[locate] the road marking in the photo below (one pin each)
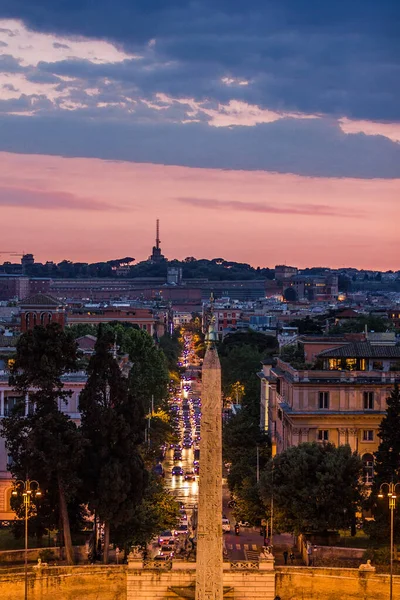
(229, 546)
(246, 546)
(238, 547)
(255, 547)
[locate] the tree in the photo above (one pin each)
(387, 467)
(307, 326)
(112, 420)
(81, 329)
(358, 325)
(315, 487)
(158, 511)
(149, 373)
(45, 444)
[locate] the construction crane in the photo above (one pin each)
(11, 253)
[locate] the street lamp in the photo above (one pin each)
(29, 490)
(391, 494)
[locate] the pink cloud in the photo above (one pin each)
(46, 200)
(258, 207)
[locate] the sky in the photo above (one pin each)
(263, 132)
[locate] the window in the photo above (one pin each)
(323, 400)
(11, 402)
(368, 400)
(368, 461)
(368, 435)
(323, 435)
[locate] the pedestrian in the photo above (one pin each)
(291, 556)
(285, 556)
(309, 554)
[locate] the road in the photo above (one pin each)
(245, 546)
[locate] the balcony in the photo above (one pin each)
(328, 376)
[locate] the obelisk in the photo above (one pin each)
(209, 567)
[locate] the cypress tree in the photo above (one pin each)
(112, 421)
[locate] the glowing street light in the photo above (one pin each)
(29, 490)
(390, 490)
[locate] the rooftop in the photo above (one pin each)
(44, 300)
(362, 350)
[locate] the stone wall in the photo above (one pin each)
(18, 556)
(128, 583)
(302, 583)
(66, 583)
(243, 583)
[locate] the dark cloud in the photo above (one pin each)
(25, 103)
(26, 198)
(58, 45)
(312, 147)
(320, 210)
(337, 58)
(3, 44)
(8, 32)
(9, 64)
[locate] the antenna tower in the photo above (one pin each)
(158, 241)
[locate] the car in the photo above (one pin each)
(166, 538)
(181, 530)
(187, 444)
(196, 469)
(167, 550)
(226, 525)
(190, 476)
(177, 472)
(244, 524)
(162, 557)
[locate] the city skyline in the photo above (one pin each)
(267, 136)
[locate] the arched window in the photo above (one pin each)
(45, 318)
(368, 462)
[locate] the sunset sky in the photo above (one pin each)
(264, 132)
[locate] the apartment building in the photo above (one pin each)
(73, 382)
(343, 402)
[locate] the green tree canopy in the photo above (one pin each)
(148, 377)
(112, 420)
(45, 444)
(387, 469)
(315, 487)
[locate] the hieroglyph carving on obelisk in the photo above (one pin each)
(209, 568)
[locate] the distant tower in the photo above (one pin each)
(156, 255)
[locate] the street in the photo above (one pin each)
(248, 544)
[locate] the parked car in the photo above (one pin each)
(244, 524)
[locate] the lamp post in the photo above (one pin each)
(390, 488)
(29, 490)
